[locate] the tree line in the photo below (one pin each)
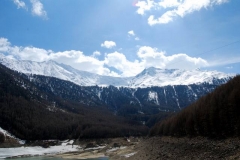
(215, 115)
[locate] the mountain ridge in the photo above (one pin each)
(147, 78)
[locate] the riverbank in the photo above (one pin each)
(152, 148)
(29, 150)
(113, 148)
(161, 148)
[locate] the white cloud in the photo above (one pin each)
(174, 8)
(137, 38)
(4, 45)
(144, 6)
(146, 57)
(131, 33)
(80, 61)
(20, 4)
(74, 58)
(108, 44)
(120, 62)
(152, 57)
(30, 53)
(38, 9)
(165, 18)
(169, 3)
(96, 53)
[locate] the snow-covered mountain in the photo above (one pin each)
(147, 78)
(61, 71)
(164, 77)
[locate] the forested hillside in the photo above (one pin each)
(30, 113)
(215, 115)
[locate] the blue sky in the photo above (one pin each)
(121, 38)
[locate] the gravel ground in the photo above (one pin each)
(154, 148)
(186, 148)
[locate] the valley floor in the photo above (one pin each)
(153, 148)
(161, 148)
(186, 148)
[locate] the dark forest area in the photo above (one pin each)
(215, 115)
(31, 114)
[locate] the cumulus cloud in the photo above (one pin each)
(96, 53)
(152, 57)
(165, 18)
(174, 8)
(145, 57)
(120, 62)
(169, 3)
(4, 45)
(20, 4)
(144, 6)
(80, 61)
(108, 44)
(132, 34)
(38, 9)
(73, 58)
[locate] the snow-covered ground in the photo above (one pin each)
(6, 133)
(38, 151)
(66, 146)
(130, 154)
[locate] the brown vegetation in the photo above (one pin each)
(215, 115)
(30, 113)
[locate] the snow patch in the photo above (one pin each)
(36, 151)
(165, 95)
(95, 148)
(6, 133)
(153, 96)
(130, 154)
(176, 96)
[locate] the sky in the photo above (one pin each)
(121, 38)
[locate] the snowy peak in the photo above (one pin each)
(151, 71)
(147, 78)
(61, 71)
(164, 77)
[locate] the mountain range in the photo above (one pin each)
(149, 92)
(147, 78)
(52, 90)
(30, 111)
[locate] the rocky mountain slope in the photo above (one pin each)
(149, 92)
(124, 100)
(30, 112)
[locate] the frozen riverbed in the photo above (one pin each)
(52, 158)
(38, 151)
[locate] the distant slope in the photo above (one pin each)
(147, 78)
(31, 113)
(123, 100)
(214, 115)
(164, 77)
